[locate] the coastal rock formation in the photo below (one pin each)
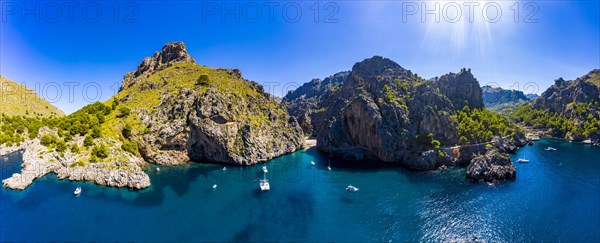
(170, 111)
(381, 108)
(492, 166)
(172, 53)
(39, 161)
(195, 113)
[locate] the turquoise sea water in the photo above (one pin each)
(556, 197)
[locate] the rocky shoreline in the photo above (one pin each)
(37, 162)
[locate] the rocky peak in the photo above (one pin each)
(374, 66)
(461, 87)
(557, 97)
(171, 53)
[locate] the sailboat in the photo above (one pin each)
(264, 183)
(351, 188)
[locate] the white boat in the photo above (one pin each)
(5, 158)
(351, 188)
(522, 160)
(264, 169)
(77, 191)
(550, 149)
(214, 186)
(535, 138)
(312, 163)
(157, 169)
(224, 168)
(264, 183)
(328, 165)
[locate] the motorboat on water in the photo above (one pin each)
(328, 165)
(157, 169)
(313, 163)
(351, 188)
(264, 169)
(224, 168)
(77, 191)
(522, 160)
(550, 149)
(535, 138)
(214, 186)
(264, 183)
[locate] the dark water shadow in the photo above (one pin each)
(297, 205)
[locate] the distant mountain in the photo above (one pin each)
(532, 96)
(18, 100)
(501, 100)
(567, 109)
(495, 95)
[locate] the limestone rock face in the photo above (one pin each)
(192, 113)
(38, 161)
(207, 127)
(461, 87)
(380, 109)
(563, 98)
(171, 53)
(562, 93)
(303, 103)
(492, 166)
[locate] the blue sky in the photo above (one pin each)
(80, 52)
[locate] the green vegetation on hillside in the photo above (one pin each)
(586, 123)
(18, 100)
(506, 108)
(481, 125)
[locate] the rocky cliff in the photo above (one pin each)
(186, 112)
(303, 102)
(461, 88)
(382, 109)
(557, 97)
(170, 111)
(172, 53)
(567, 109)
